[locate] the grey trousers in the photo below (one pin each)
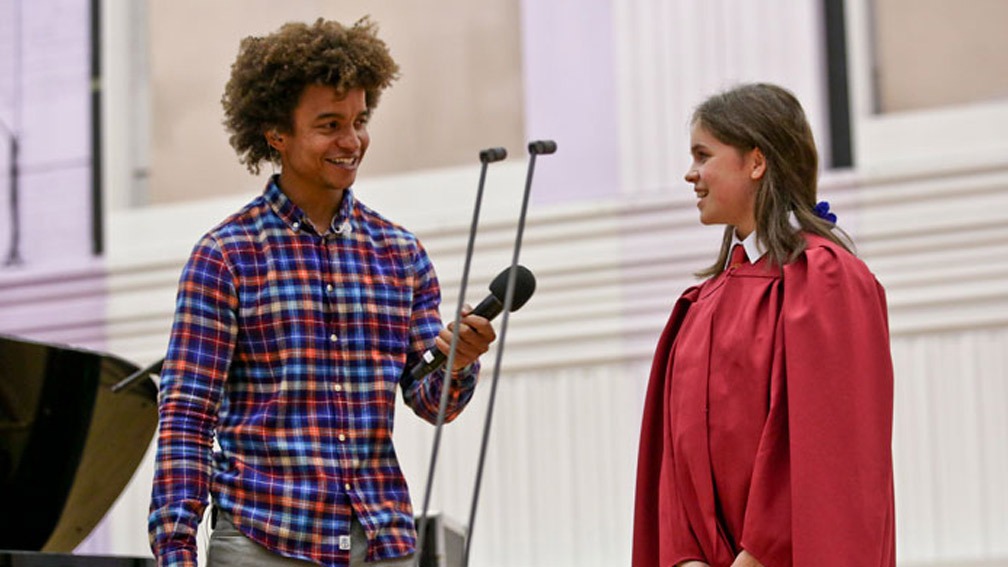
(230, 548)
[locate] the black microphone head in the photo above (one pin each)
(525, 284)
(490, 155)
(542, 147)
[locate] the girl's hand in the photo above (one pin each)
(746, 560)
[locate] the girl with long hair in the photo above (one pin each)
(766, 437)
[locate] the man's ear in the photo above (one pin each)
(757, 163)
(275, 140)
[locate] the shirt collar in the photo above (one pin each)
(752, 244)
(294, 217)
(754, 248)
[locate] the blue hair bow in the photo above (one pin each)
(822, 211)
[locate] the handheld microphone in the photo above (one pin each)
(490, 307)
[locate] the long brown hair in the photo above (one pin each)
(770, 118)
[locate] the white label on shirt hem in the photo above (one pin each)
(344, 542)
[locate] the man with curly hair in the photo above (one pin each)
(294, 321)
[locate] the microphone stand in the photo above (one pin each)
(486, 157)
(544, 147)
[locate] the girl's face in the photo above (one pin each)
(725, 180)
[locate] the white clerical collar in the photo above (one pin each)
(752, 244)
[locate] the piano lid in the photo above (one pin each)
(68, 444)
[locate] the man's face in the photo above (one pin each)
(327, 142)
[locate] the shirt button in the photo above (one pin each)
(347, 487)
(338, 387)
(296, 226)
(342, 437)
(330, 288)
(355, 463)
(333, 337)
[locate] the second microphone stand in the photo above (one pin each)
(486, 157)
(541, 147)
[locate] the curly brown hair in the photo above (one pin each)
(270, 74)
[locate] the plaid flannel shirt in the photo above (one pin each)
(288, 346)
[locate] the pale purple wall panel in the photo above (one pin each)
(57, 293)
(570, 90)
(45, 98)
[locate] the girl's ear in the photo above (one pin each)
(757, 164)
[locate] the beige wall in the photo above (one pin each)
(419, 124)
(933, 53)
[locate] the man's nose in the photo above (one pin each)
(349, 140)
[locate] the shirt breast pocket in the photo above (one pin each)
(276, 324)
(387, 308)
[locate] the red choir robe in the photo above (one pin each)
(768, 420)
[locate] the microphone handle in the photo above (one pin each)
(434, 358)
(489, 308)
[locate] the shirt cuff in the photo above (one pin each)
(179, 557)
(466, 376)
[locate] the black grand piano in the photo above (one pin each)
(69, 444)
